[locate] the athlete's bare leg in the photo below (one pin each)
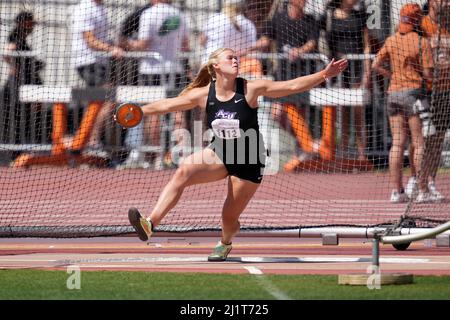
(201, 167)
(239, 194)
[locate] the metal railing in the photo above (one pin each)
(376, 122)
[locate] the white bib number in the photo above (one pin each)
(226, 128)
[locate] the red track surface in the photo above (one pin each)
(61, 196)
(270, 256)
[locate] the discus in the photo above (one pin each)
(128, 115)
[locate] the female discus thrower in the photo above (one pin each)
(231, 109)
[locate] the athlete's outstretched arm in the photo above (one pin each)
(187, 101)
(277, 89)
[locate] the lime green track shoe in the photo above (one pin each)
(143, 227)
(220, 252)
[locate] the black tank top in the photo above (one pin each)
(235, 127)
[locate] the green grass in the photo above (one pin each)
(37, 284)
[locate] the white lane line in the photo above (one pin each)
(329, 259)
(243, 259)
(267, 285)
(403, 260)
(253, 270)
(27, 260)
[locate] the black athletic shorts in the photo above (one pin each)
(250, 172)
(247, 171)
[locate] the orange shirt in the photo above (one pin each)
(402, 50)
(439, 39)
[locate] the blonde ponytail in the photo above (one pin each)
(206, 73)
(202, 79)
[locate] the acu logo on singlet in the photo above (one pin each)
(222, 114)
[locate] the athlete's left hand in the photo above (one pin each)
(335, 67)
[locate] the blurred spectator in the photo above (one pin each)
(91, 52)
(257, 11)
(129, 75)
(295, 34)
(231, 29)
(347, 33)
(22, 71)
(162, 30)
(410, 61)
(129, 31)
(426, 8)
(436, 28)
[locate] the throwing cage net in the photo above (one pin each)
(69, 170)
